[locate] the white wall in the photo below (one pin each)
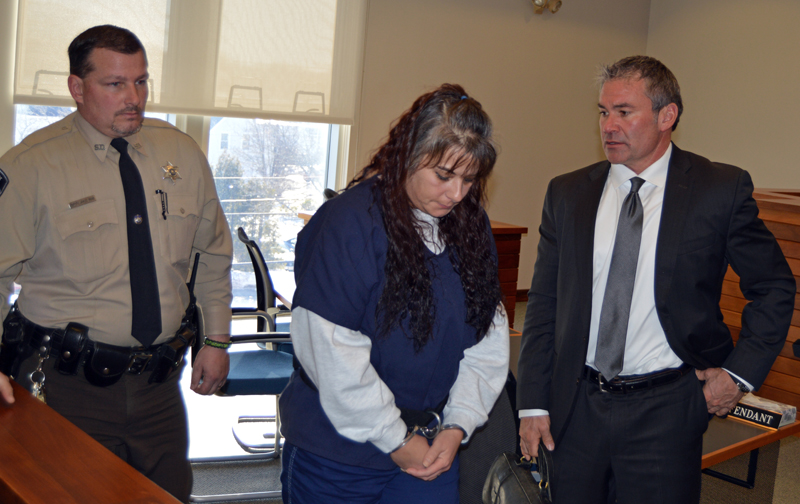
(738, 64)
(533, 74)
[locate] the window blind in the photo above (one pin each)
(275, 59)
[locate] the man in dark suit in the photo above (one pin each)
(624, 351)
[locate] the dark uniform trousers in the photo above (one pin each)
(143, 424)
(649, 442)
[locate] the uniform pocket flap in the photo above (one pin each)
(183, 205)
(86, 218)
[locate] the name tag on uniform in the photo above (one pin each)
(81, 202)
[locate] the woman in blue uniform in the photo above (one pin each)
(396, 320)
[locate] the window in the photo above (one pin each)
(280, 171)
(29, 118)
(234, 69)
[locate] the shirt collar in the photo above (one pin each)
(655, 174)
(100, 142)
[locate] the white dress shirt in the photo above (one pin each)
(646, 347)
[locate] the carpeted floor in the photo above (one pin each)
(214, 478)
(787, 477)
(717, 491)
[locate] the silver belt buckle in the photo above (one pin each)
(600, 381)
(139, 362)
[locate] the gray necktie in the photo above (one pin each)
(619, 288)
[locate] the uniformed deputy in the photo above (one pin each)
(65, 240)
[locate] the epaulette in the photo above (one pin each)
(153, 123)
(55, 130)
(58, 128)
(150, 122)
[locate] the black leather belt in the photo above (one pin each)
(632, 383)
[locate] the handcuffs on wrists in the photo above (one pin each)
(429, 432)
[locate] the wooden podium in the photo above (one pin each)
(508, 238)
(45, 459)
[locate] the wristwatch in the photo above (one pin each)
(740, 384)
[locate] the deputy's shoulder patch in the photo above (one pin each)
(3, 182)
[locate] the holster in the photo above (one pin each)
(167, 360)
(169, 356)
(14, 348)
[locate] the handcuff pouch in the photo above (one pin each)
(74, 343)
(105, 364)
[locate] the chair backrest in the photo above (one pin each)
(329, 193)
(265, 291)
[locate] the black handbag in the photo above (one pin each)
(510, 480)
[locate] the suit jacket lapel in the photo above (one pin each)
(677, 194)
(585, 217)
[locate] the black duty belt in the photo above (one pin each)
(102, 364)
(632, 383)
(140, 359)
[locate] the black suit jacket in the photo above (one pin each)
(709, 219)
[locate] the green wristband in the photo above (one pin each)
(216, 344)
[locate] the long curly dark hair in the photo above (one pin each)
(444, 122)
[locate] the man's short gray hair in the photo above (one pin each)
(661, 86)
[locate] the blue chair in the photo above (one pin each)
(267, 310)
(259, 371)
(265, 369)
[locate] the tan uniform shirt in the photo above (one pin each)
(63, 235)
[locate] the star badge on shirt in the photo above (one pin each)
(171, 172)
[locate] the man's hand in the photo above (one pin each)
(531, 430)
(6, 392)
(439, 457)
(720, 390)
(210, 368)
(411, 455)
